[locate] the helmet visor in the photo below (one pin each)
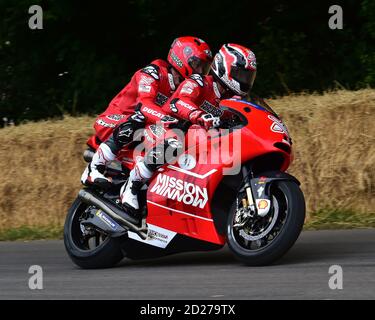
(244, 77)
(199, 66)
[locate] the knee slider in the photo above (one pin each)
(155, 157)
(123, 134)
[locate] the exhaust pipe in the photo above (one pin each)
(90, 198)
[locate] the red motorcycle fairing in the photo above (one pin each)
(193, 205)
(179, 197)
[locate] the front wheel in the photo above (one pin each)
(262, 240)
(89, 248)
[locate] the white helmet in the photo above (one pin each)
(235, 67)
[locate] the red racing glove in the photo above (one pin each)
(205, 120)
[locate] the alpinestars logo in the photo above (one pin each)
(180, 190)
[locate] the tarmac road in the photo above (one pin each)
(302, 274)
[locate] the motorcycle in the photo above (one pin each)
(192, 206)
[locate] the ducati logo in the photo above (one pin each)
(153, 112)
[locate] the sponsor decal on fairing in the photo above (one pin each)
(107, 220)
(278, 126)
(263, 206)
(156, 236)
(180, 190)
(260, 191)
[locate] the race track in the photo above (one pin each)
(301, 274)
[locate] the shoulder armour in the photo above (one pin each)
(198, 79)
(152, 70)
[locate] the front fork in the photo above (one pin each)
(247, 202)
(257, 199)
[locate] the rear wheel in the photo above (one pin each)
(88, 247)
(256, 240)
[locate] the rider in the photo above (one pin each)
(232, 73)
(142, 98)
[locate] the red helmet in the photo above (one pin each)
(190, 55)
(235, 66)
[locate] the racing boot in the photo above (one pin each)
(129, 191)
(94, 172)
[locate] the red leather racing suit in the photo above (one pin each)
(149, 87)
(195, 94)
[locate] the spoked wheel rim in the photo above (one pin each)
(86, 238)
(259, 232)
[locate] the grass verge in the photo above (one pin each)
(31, 233)
(327, 219)
(339, 219)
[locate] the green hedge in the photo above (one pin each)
(96, 46)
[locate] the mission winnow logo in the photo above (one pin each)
(180, 190)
